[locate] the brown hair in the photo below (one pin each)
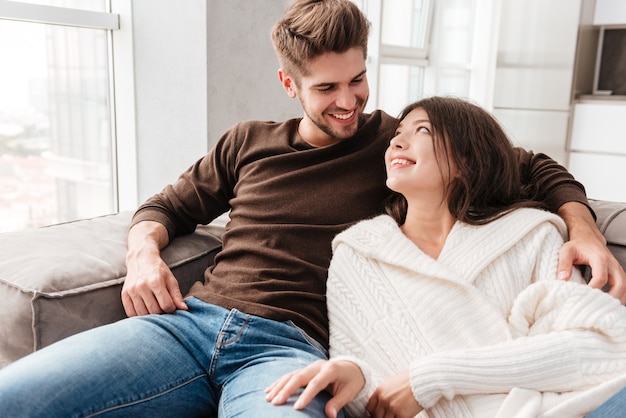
(489, 180)
(310, 28)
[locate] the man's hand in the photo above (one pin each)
(394, 398)
(587, 246)
(150, 287)
(343, 379)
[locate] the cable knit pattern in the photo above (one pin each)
(485, 330)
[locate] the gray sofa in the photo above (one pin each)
(63, 279)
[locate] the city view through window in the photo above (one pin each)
(55, 131)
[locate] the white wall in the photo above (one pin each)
(199, 67)
(170, 47)
(242, 66)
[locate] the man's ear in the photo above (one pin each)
(287, 82)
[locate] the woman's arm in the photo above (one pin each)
(346, 375)
(566, 337)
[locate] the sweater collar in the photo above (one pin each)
(466, 253)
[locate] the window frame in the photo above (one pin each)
(381, 54)
(118, 24)
(55, 15)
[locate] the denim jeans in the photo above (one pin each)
(207, 361)
(613, 408)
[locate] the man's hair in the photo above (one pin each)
(311, 28)
(489, 182)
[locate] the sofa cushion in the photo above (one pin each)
(60, 280)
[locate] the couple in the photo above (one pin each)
(260, 311)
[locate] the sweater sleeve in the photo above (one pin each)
(199, 195)
(565, 337)
(348, 320)
(549, 182)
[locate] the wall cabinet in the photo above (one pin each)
(597, 142)
(597, 155)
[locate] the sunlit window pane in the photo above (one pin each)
(399, 85)
(455, 45)
(55, 129)
(453, 82)
(404, 23)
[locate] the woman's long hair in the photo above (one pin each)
(488, 184)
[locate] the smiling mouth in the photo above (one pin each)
(400, 162)
(343, 116)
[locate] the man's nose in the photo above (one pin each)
(346, 99)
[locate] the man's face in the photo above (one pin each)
(333, 96)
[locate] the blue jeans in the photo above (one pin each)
(614, 407)
(207, 361)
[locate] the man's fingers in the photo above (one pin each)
(167, 296)
(177, 296)
(599, 277)
(617, 281)
(129, 307)
(618, 292)
(566, 262)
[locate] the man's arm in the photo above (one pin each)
(556, 188)
(587, 246)
(150, 287)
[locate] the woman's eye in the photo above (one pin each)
(423, 129)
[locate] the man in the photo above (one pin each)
(260, 312)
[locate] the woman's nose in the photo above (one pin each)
(397, 142)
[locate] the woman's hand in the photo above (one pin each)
(343, 379)
(394, 398)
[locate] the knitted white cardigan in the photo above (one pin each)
(479, 338)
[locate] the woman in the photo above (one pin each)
(450, 305)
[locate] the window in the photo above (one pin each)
(419, 48)
(454, 38)
(399, 49)
(57, 152)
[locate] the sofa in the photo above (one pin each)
(62, 279)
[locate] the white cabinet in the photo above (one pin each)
(610, 12)
(536, 131)
(534, 72)
(598, 148)
(599, 127)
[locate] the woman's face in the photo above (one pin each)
(412, 165)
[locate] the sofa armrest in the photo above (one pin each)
(67, 278)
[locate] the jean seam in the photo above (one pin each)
(145, 399)
(310, 340)
(221, 342)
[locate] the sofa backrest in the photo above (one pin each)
(611, 219)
